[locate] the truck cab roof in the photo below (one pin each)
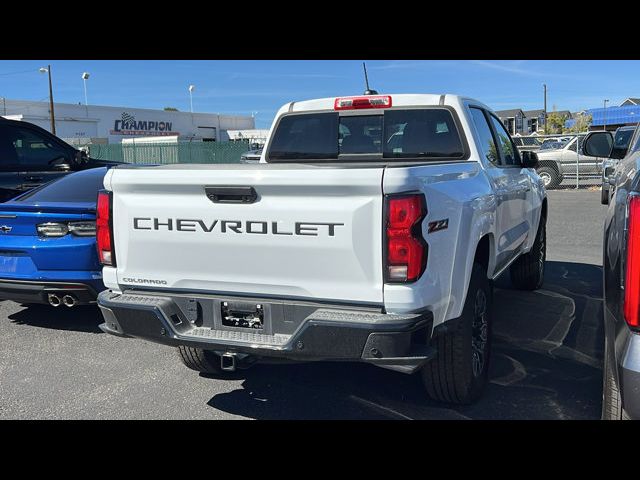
(398, 100)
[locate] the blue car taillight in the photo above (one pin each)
(52, 229)
(60, 229)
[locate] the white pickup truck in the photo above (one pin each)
(371, 230)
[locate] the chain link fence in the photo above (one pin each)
(167, 153)
(561, 161)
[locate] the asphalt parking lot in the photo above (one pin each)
(546, 362)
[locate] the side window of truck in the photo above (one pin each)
(507, 149)
(487, 142)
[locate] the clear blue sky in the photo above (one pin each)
(243, 87)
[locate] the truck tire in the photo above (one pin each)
(549, 177)
(200, 360)
(611, 398)
(604, 196)
(458, 374)
(527, 272)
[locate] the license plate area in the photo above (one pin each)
(8, 264)
(242, 314)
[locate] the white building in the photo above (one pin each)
(80, 124)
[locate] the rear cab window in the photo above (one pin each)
(402, 134)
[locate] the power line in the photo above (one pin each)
(18, 73)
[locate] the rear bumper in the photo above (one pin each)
(626, 345)
(629, 374)
(295, 331)
(32, 291)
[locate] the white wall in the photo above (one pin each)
(79, 121)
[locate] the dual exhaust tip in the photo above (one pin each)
(56, 301)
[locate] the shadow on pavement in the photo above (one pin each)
(545, 365)
(84, 318)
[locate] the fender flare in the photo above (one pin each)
(482, 225)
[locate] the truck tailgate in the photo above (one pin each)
(312, 232)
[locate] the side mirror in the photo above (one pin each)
(81, 157)
(529, 159)
(598, 144)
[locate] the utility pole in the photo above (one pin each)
(53, 117)
(545, 109)
(604, 122)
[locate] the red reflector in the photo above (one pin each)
(404, 248)
(632, 275)
(103, 229)
(356, 103)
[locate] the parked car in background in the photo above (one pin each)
(621, 141)
(48, 242)
(565, 162)
(552, 142)
(532, 144)
(552, 145)
(31, 156)
(252, 156)
(621, 280)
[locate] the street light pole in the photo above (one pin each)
(85, 77)
(191, 88)
(604, 125)
(545, 108)
(53, 117)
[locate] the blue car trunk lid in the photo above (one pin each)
(22, 219)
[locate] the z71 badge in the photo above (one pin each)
(438, 225)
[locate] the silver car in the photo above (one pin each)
(621, 140)
(252, 156)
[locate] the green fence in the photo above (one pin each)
(164, 153)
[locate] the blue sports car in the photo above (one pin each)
(48, 242)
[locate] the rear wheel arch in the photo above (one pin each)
(484, 253)
(543, 213)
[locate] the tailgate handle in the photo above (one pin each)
(231, 194)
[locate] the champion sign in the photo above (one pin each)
(128, 125)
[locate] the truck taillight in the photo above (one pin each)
(357, 103)
(104, 230)
(632, 274)
(406, 249)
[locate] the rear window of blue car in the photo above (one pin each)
(80, 187)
